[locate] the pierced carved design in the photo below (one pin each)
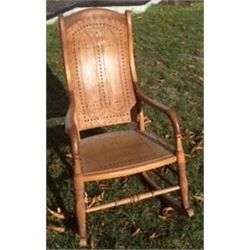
(101, 77)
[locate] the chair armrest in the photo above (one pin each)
(71, 127)
(169, 112)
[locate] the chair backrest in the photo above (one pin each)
(98, 62)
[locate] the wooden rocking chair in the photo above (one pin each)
(102, 82)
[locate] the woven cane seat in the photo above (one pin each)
(121, 151)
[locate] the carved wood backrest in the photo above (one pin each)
(97, 58)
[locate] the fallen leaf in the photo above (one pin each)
(146, 120)
(92, 244)
(195, 149)
(54, 167)
(191, 66)
(198, 198)
(188, 135)
(69, 156)
(200, 78)
(56, 229)
(173, 73)
(168, 212)
(95, 199)
(136, 232)
(57, 215)
(164, 218)
(153, 236)
(157, 235)
(196, 140)
(198, 143)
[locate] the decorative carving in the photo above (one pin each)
(101, 77)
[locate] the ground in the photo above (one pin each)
(169, 59)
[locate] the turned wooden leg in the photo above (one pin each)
(80, 211)
(183, 185)
(80, 203)
(184, 189)
(182, 177)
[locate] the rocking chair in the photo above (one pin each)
(102, 83)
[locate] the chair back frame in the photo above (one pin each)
(99, 66)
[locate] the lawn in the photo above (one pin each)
(169, 59)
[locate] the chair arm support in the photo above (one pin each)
(162, 108)
(71, 126)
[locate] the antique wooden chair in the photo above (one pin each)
(102, 82)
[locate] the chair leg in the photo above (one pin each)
(80, 211)
(183, 182)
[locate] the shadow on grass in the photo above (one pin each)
(57, 99)
(57, 141)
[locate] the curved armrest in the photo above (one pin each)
(71, 126)
(170, 113)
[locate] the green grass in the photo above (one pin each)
(169, 58)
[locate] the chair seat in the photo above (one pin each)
(122, 153)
